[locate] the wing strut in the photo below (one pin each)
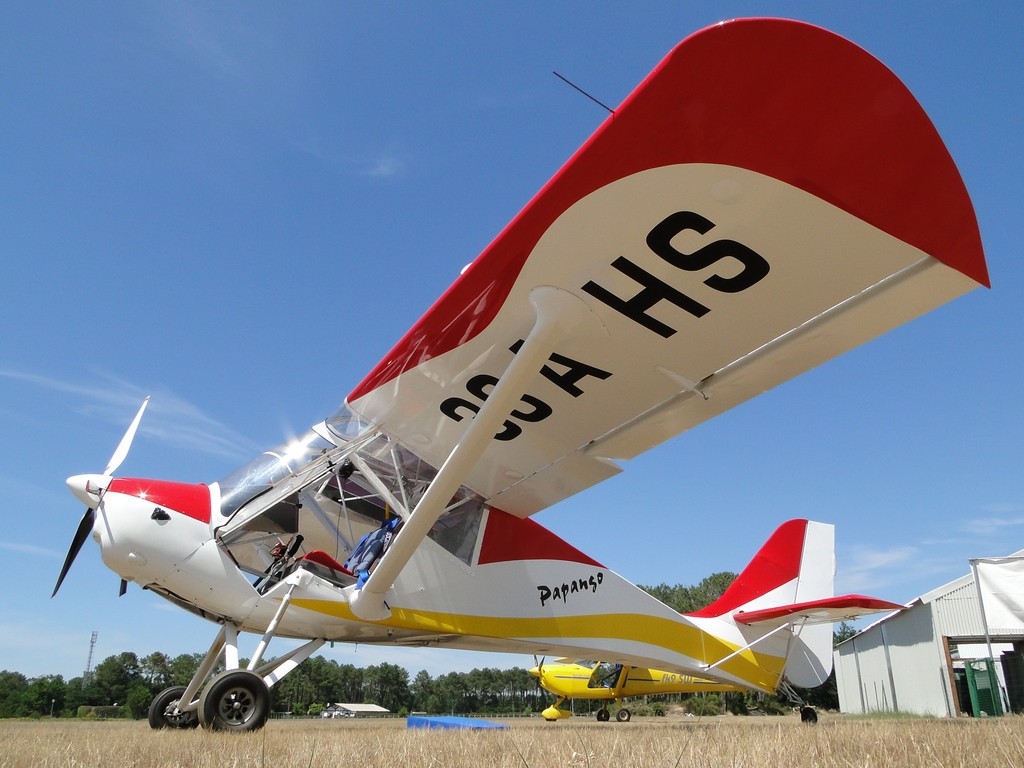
(558, 313)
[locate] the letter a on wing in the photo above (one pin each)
(769, 197)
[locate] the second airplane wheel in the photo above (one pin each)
(161, 711)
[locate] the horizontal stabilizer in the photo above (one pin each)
(827, 610)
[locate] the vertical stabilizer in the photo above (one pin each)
(795, 566)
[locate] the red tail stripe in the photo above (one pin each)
(775, 564)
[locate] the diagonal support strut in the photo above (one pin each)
(558, 314)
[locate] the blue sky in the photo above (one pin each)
(239, 208)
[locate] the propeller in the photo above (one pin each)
(82, 486)
(539, 667)
(126, 442)
(84, 529)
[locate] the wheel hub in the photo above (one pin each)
(237, 705)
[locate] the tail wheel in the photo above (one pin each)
(808, 715)
(623, 715)
(162, 711)
(236, 700)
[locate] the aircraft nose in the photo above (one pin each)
(88, 488)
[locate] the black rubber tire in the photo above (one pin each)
(237, 700)
(165, 700)
(808, 715)
(623, 715)
(603, 716)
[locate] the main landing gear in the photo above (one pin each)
(603, 715)
(236, 699)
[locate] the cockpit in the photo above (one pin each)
(318, 496)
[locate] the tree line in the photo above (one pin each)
(131, 683)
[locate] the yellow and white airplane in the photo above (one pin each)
(769, 197)
(607, 681)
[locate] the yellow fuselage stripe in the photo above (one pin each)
(757, 669)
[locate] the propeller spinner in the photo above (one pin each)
(90, 488)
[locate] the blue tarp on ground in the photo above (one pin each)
(420, 721)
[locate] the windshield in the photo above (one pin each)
(259, 475)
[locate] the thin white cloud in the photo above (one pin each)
(37, 647)
(1005, 508)
(384, 166)
(28, 549)
(169, 418)
(865, 569)
(865, 558)
(994, 525)
(215, 43)
(381, 165)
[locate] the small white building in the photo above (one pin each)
(353, 710)
(930, 659)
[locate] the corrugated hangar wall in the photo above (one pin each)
(909, 661)
(895, 665)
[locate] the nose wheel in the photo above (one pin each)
(236, 700)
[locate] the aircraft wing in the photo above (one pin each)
(769, 197)
(824, 611)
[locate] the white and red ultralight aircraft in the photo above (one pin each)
(769, 197)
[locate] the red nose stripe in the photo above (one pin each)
(189, 499)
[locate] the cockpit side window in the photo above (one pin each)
(327, 489)
(605, 675)
(457, 530)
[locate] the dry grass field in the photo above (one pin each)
(690, 742)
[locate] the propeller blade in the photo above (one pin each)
(84, 529)
(124, 588)
(538, 669)
(126, 442)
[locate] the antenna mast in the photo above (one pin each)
(88, 665)
(570, 83)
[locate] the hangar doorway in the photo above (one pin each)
(985, 686)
